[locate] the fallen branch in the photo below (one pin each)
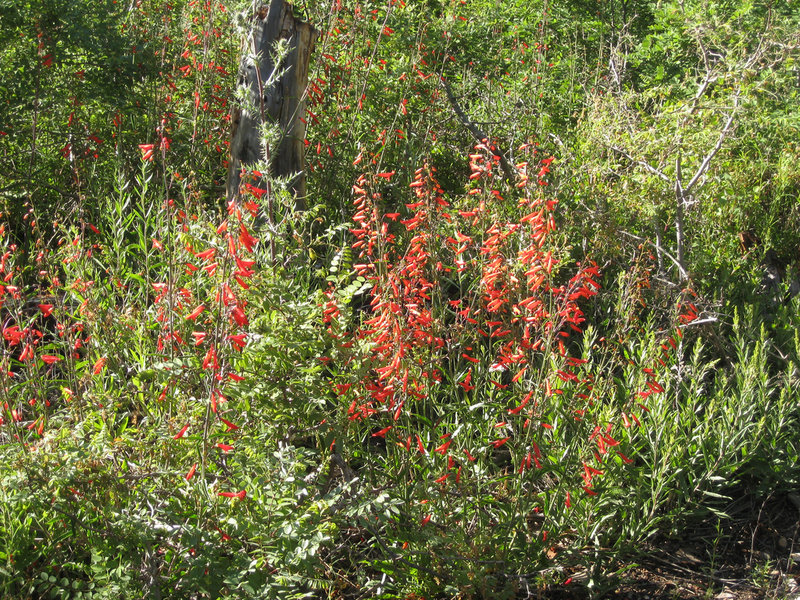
(477, 132)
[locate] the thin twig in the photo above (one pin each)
(476, 131)
(658, 248)
(646, 166)
(722, 135)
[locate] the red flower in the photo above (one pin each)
(382, 433)
(231, 426)
(238, 315)
(246, 239)
(196, 312)
(181, 433)
(191, 472)
(238, 340)
(210, 359)
(466, 383)
(98, 366)
(240, 494)
(206, 254)
(514, 411)
(147, 151)
(27, 353)
(443, 448)
(624, 458)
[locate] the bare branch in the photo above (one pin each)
(722, 135)
(477, 133)
(680, 203)
(660, 249)
(646, 166)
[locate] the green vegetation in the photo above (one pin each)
(541, 310)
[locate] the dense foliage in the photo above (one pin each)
(541, 306)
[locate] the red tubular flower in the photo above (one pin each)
(443, 448)
(624, 458)
(27, 353)
(239, 341)
(246, 239)
(98, 366)
(240, 494)
(207, 254)
(147, 151)
(523, 404)
(382, 433)
(210, 360)
(238, 315)
(181, 433)
(229, 425)
(466, 383)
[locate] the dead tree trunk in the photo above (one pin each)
(276, 95)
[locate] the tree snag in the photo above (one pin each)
(275, 94)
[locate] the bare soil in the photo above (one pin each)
(753, 555)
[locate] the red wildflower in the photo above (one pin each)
(466, 382)
(382, 433)
(238, 315)
(443, 448)
(181, 433)
(514, 411)
(147, 151)
(246, 239)
(231, 426)
(240, 494)
(210, 360)
(239, 340)
(98, 366)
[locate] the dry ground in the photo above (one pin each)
(755, 555)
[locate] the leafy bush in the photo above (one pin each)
(472, 368)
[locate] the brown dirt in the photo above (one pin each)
(754, 555)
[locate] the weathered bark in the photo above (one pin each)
(280, 101)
